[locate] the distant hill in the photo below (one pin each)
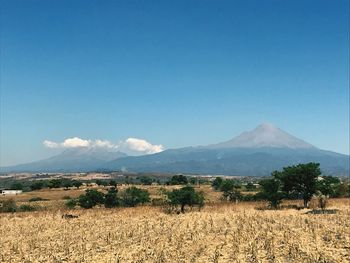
(253, 153)
(81, 159)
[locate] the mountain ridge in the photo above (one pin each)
(257, 152)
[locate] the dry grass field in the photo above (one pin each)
(218, 233)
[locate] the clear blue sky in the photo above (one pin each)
(175, 73)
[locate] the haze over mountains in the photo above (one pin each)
(253, 153)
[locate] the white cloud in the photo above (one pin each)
(50, 144)
(140, 145)
(75, 142)
(130, 145)
(104, 144)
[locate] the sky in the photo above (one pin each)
(170, 74)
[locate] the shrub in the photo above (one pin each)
(17, 186)
(270, 191)
(178, 179)
(36, 199)
(71, 203)
(111, 199)
(91, 198)
(37, 185)
(8, 206)
(185, 196)
(77, 184)
(26, 208)
(217, 183)
(146, 180)
(133, 196)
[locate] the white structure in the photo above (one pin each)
(10, 192)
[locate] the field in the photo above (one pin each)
(221, 232)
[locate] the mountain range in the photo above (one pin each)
(252, 153)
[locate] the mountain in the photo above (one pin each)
(265, 135)
(79, 159)
(253, 153)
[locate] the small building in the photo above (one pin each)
(10, 192)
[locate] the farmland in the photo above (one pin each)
(220, 232)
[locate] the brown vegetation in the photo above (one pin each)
(220, 233)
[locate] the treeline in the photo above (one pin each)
(302, 181)
(172, 201)
(66, 183)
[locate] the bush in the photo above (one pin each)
(77, 184)
(37, 185)
(26, 208)
(270, 191)
(66, 197)
(8, 206)
(217, 183)
(16, 186)
(91, 198)
(36, 199)
(71, 203)
(185, 196)
(146, 180)
(111, 199)
(178, 179)
(133, 196)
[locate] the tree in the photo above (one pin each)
(178, 179)
(327, 185)
(270, 191)
(146, 180)
(37, 185)
(133, 196)
(91, 198)
(7, 206)
(77, 184)
(113, 183)
(67, 183)
(55, 183)
(17, 186)
(71, 203)
(250, 186)
(111, 199)
(185, 196)
(101, 183)
(300, 179)
(342, 190)
(217, 183)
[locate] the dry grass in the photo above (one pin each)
(219, 233)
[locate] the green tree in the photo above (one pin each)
(146, 180)
(71, 203)
(342, 190)
(216, 184)
(270, 191)
(77, 184)
(327, 185)
(16, 186)
(8, 206)
(300, 179)
(37, 185)
(250, 186)
(67, 183)
(111, 198)
(91, 198)
(113, 183)
(55, 183)
(178, 179)
(133, 196)
(185, 196)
